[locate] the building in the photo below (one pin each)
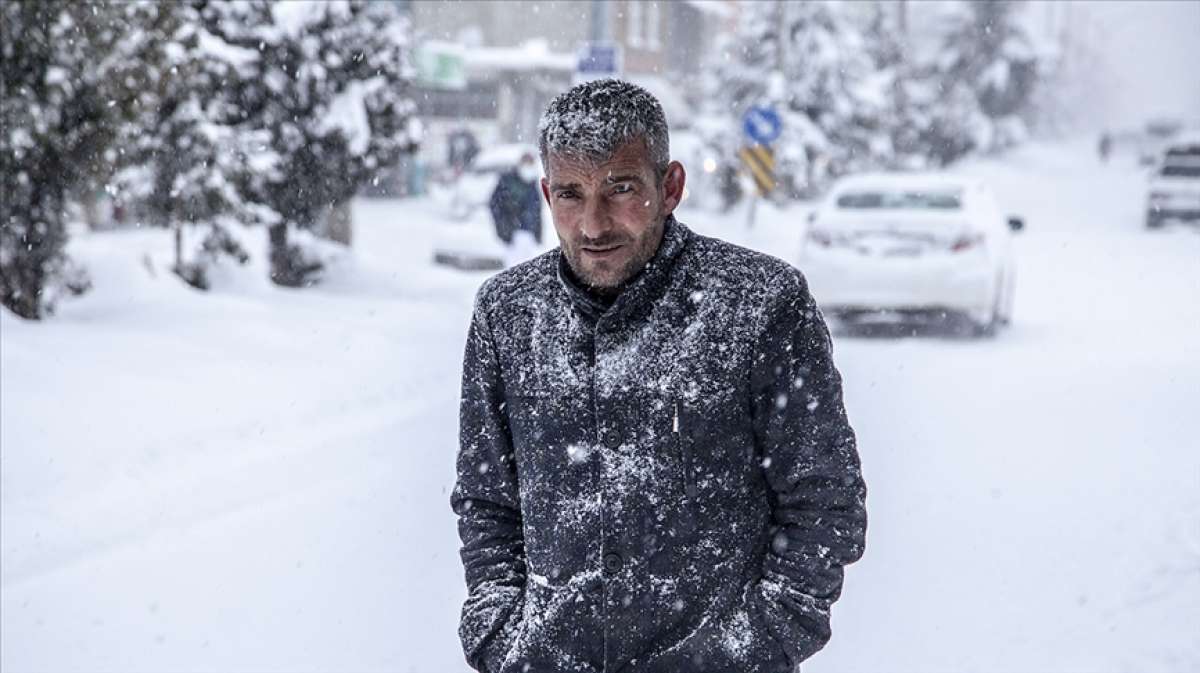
(492, 67)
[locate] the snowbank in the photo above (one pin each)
(257, 478)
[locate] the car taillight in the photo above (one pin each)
(965, 243)
(820, 237)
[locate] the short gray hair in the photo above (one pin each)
(590, 121)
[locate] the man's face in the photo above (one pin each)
(609, 216)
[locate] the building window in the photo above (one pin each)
(652, 10)
(633, 23)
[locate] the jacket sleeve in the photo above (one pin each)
(811, 465)
(487, 502)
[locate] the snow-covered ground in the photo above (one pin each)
(258, 478)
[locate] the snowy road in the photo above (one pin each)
(258, 479)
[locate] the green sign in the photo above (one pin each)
(441, 66)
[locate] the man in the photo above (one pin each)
(516, 205)
(656, 473)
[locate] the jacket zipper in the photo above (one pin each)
(685, 453)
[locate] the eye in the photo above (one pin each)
(623, 188)
(565, 195)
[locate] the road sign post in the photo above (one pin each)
(762, 126)
(759, 160)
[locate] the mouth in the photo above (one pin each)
(601, 252)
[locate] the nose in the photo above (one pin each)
(597, 219)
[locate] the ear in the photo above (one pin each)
(546, 190)
(673, 182)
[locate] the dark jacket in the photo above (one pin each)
(667, 484)
(516, 206)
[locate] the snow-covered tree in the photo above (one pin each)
(855, 95)
(1076, 69)
(332, 97)
(830, 78)
(929, 120)
(899, 83)
(809, 60)
(56, 128)
(987, 52)
(187, 147)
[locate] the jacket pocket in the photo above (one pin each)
(491, 622)
(777, 657)
(728, 637)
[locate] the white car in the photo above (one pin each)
(1174, 190)
(909, 246)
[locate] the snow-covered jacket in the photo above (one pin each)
(667, 484)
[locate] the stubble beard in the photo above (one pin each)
(607, 278)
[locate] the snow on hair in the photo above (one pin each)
(592, 120)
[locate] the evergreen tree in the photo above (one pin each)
(986, 52)
(57, 129)
(853, 94)
(831, 79)
(809, 60)
(899, 81)
(931, 119)
(947, 119)
(332, 96)
(188, 147)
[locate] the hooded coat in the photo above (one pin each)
(668, 483)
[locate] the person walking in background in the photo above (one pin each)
(655, 469)
(461, 150)
(1105, 146)
(516, 209)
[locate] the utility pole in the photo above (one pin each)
(785, 36)
(601, 31)
(902, 71)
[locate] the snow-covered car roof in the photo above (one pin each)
(908, 181)
(1190, 139)
(502, 156)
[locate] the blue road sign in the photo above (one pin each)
(599, 58)
(762, 125)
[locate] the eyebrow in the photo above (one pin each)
(610, 180)
(613, 179)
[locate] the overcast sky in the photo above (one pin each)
(1153, 53)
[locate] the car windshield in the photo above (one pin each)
(914, 200)
(1181, 170)
(1184, 152)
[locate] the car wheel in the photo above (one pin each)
(988, 327)
(1153, 221)
(1007, 312)
(986, 330)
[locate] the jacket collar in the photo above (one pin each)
(643, 289)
